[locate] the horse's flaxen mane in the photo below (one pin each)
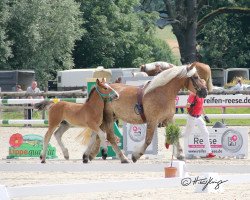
(90, 93)
(166, 76)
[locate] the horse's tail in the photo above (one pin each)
(44, 105)
(85, 136)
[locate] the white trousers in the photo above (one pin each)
(191, 122)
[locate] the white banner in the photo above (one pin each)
(134, 137)
(237, 100)
(223, 141)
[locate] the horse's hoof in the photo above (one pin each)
(104, 157)
(181, 157)
(104, 154)
(125, 161)
(134, 159)
(66, 154)
(91, 158)
(43, 161)
(66, 157)
(85, 158)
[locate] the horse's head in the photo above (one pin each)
(106, 92)
(198, 85)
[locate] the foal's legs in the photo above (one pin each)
(64, 126)
(149, 136)
(86, 154)
(111, 138)
(95, 148)
(108, 127)
(46, 142)
(102, 136)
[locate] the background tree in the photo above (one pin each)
(44, 34)
(5, 43)
(183, 15)
(232, 32)
(117, 36)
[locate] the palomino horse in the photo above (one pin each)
(158, 104)
(89, 114)
(152, 69)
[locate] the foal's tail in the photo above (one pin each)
(44, 105)
(85, 136)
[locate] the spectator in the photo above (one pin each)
(195, 110)
(239, 85)
(31, 90)
(19, 88)
(176, 103)
(176, 110)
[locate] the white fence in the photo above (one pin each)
(223, 101)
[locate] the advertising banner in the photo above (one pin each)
(224, 142)
(237, 100)
(134, 137)
(28, 146)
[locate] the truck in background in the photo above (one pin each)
(77, 78)
(10, 78)
(223, 76)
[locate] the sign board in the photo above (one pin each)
(237, 100)
(224, 142)
(134, 137)
(28, 146)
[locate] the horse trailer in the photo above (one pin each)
(10, 78)
(223, 76)
(77, 78)
(231, 73)
(218, 76)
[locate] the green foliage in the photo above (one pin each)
(117, 36)
(44, 34)
(5, 43)
(232, 32)
(232, 50)
(172, 133)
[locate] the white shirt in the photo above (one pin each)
(36, 90)
(238, 87)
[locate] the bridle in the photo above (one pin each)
(196, 87)
(202, 92)
(107, 97)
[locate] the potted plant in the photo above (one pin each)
(172, 136)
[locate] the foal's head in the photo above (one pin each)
(106, 92)
(195, 83)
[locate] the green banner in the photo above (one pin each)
(28, 146)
